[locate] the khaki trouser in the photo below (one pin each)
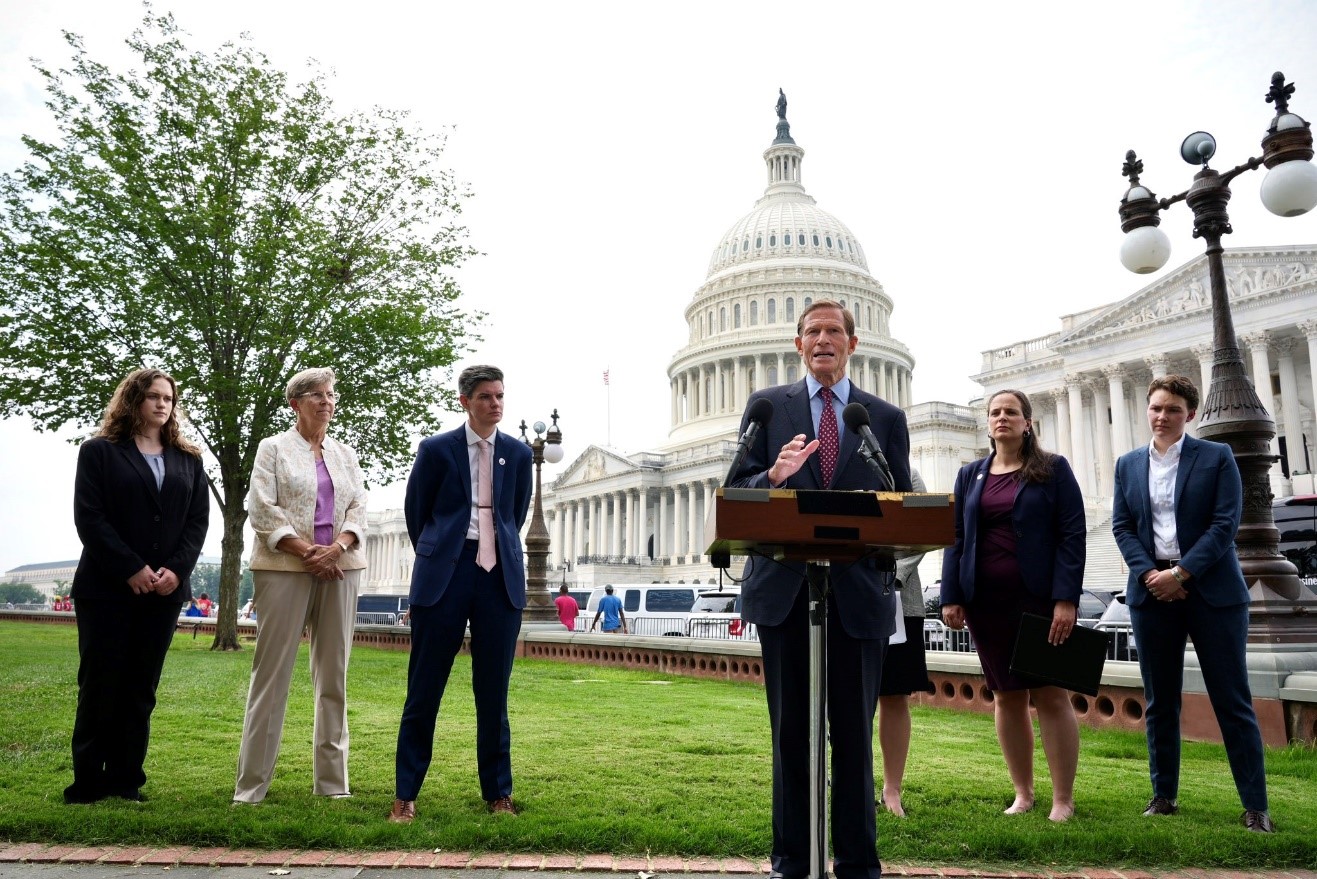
(286, 604)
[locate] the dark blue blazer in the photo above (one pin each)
(1050, 534)
(438, 510)
(125, 523)
(770, 590)
(1209, 498)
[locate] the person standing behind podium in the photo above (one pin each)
(801, 448)
(467, 499)
(1176, 510)
(1019, 549)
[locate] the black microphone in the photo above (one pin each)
(857, 421)
(758, 414)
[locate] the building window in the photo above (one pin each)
(801, 239)
(829, 240)
(772, 311)
(759, 242)
(791, 374)
(772, 240)
(754, 313)
(772, 376)
(791, 308)
(809, 300)
(816, 240)
(736, 316)
(745, 245)
(722, 320)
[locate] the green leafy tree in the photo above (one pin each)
(20, 593)
(209, 217)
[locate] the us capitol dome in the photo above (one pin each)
(768, 265)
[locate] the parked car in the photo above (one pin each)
(1296, 520)
(1092, 604)
(652, 609)
(717, 614)
(1116, 620)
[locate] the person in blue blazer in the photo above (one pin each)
(141, 504)
(787, 453)
(467, 499)
(1019, 549)
(1175, 514)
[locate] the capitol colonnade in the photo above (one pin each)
(1088, 382)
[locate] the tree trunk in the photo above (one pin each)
(226, 626)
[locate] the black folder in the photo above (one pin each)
(1075, 665)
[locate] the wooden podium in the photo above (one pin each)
(818, 528)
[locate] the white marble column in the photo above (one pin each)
(738, 389)
(678, 521)
(1062, 403)
(1105, 474)
(578, 531)
(781, 369)
(629, 545)
(708, 505)
(1079, 461)
(1206, 355)
(1292, 429)
(1258, 350)
(672, 414)
(661, 530)
(1309, 329)
(1120, 431)
(693, 547)
(615, 542)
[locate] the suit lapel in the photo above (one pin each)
(1188, 458)
(1142, 496)
(975, 495)
(850, 441)
(803, 422)
(500, 455)
(461, 460)
(135, 460)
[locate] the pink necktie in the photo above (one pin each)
(486, 557)
(829, 446)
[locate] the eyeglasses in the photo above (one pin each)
(319, 396)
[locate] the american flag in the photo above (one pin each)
(605, 377)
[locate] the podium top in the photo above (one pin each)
(834, 525)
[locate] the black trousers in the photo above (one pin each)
(122, 646)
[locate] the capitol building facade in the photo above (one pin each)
(617, 517)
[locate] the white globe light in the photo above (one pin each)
(1290, 189)
(1145, 249)
(553, 452)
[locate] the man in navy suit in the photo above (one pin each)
(1175, 515)
(802, 448)
(467, 498)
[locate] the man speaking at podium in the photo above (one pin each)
(801, 447)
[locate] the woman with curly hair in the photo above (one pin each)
(141, 508)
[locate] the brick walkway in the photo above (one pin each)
(38, 853)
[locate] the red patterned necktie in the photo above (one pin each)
(829, 445)
(486, 556)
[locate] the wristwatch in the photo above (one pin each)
(340, 545)
(1179, 578)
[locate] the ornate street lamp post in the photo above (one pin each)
(1232, 412)
(547, 446)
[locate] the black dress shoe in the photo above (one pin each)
(1160, 806)
(133, 795)
(1258, 821)
(74, 795)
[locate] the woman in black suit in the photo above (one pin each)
(141, 508)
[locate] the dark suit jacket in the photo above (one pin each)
(438, 511)
(126, 523)
(1050, 534)
(770, 590)
(1209, 498)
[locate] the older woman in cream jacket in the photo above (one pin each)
(307, 505)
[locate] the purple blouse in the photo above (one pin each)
(324, 534)
(998, 565)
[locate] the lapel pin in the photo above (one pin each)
(980, 476)
(501, 462)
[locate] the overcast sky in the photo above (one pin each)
(973, 148)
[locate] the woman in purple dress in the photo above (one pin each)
(1019, 549)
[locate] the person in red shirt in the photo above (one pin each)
(568, 609)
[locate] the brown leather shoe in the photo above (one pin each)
(1258, 821)
(502, 805)
(1160, 806)
(403, 812)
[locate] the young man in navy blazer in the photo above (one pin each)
(462, 577)
(861, 612)
(1175, 514)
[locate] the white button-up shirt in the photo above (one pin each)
(1162, 470)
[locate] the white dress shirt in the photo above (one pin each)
(1162, 470)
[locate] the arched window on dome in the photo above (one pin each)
(710, 324)
(816, 239)
(772, 240)
(791, 309)
(786, 240)
(772, 311)
(745, 245)
(843, 302)
(759, 242)
(722, 320)
(772, 376)
(791, 375)
(800, 239)
(736, 316)
(829, 240)
(754, 312)
(809, 300)
(868, 316)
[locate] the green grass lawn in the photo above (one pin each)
(605, 761)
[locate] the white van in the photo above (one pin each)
(651, 609)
